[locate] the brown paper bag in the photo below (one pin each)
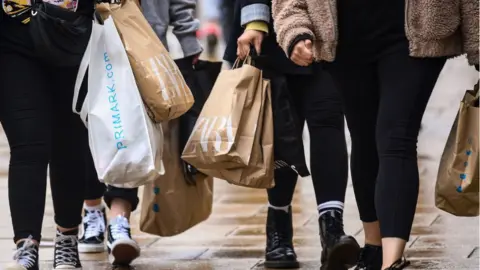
(161, 84)
(224, 132)
(457, 187)
(259, 172)
(170, 206)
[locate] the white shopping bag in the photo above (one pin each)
(126, 145)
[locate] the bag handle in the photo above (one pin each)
(82, 71)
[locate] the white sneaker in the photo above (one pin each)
(121, 247)
(92, 236)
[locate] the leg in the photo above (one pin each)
(25, 114)
(322, 107)
(122, 248)
(67, 168)
(359, 89)
(329, 159)
(403, 99)
(279, 228)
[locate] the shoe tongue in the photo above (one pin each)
(27, 244)
(120, 220)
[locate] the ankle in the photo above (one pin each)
(285, 208)
(67, 231)
(93, 203)
(330, 206)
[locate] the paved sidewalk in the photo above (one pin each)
(233, 238)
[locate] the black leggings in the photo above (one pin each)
(42, 131)
(384, 105)
(317, 102)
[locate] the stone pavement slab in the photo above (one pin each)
(233, 238)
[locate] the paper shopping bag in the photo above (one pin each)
(170, 205)
(159, 80)
(224, 133)
(457, 187)
(200, 78)
(259, 172)
(126, 145)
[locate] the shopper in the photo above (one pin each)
(122, 202)
(387, 56)
(316, 101)
(36, 91)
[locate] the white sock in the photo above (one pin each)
(329, 206)
(99, 207)
(284, 208)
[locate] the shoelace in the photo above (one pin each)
(66, 249)
(27, 254)
(95, 223)
(334, 225)
(120, 228)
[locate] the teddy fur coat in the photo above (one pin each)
(434, 28)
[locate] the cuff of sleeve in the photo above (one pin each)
(296, 40)
(190, 45)
(255, 12)
(258, 25)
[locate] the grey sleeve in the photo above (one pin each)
(156, 13)
(255, 12)
(185, 25)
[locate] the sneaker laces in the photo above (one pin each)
(95, 223)
(66, 251)
(27, 254)
(120, 228)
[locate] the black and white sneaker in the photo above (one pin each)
(121, 247)
(26, 256)
(92, 236)
(66, 251)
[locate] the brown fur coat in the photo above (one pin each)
(434, 28)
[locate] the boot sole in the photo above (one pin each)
(342, 256)
(124, 252)
(281, 264)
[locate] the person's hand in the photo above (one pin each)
(249, 37)
(302, 54)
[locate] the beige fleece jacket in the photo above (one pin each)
(434, 28)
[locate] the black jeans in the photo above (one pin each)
(42, 131)
(384, 105)
(318, 103)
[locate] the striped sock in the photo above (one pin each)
(284, 208)
(330, 206)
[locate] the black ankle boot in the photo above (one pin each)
(279, 252)
(339, 251)
(370, 258)
(399, 264)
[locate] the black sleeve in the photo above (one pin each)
(296, 40)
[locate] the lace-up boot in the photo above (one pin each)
(279, 252)
(339, 251)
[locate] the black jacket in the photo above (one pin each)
(272, 56)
